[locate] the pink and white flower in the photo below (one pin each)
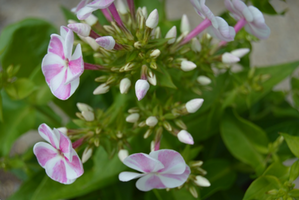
(248, 16)
(60, 160)
(87, 9)
(217, 26)
(60, 68)
(160, 169)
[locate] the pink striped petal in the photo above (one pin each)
(56, 170)
(100, 4)
(80, 5)
(44, 153)
(149, 182)
(175, 180)
(65, 144)
(46, 132)
(52, 65)
(85, 12)
(143, 163)
(127, 176)
(63, 31)
(107, 42)
(56, 46)
(75, 66)
(74, 168)
(173, 162)
(68, 44)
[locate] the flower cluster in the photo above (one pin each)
(132, 49)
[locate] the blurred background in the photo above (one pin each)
(282, 45)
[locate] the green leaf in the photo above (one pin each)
(259, 188)
(1, 108)
(295, 90)
(19, 118)
(20, 89)
(244, 140)
(220, 175)
(264, 6)
(278, 170)
(294, 172)
(68, 14)
(25, 43)
(164, 79)
(293, 143)
(294, 193)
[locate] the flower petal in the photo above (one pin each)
(74, 168)
(127, 176)
(85, 12)
(63, 31)
(242, 8)
(100, 4)
(56, 46)
(46, 132)
(52, 65)
(223, 32)
(68, 44)
(65, 144)
(143, 163)
(175, 180)
(56, 170)
(75, 66)
(149, 182)
(173, 162)
(107, 42)
(44, 152)
(80, 5)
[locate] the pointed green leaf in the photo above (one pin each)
(20, 89)
(293, 143)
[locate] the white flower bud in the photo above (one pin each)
(93, 44)
(101, 89)
(202, 181)
(203, 80)
(86, 154)
(187, 65)
(121, 7)
(193, 105)
(157, 33)
(63, 130)
(124, 85)
(185, 25)
(151, 121)
(229, 58)
(153, 19)
(91, 20)
(141, 88)
(132, 118)
(171, 34)
(88, 115)
(155, 53)
(240, 52)
(84, 107)
(107, 42)
(144, 12)
(122, 154)
(185, 137)
(195, 45)
(152, 78)
(152, 145)
(80, 28)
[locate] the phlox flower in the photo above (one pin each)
(60, 160)
(60, 68)
(85, 11)
(160, 169)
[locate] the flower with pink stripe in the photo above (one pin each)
(60, 160)
(62, 69)
(160, 169)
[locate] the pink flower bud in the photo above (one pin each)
(141, 88)
(185, 137)
(193, 105)
(153, 19)
(80, 28)
(107, 42)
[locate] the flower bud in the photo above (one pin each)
(88, 116)
(122, 154)
(91, 20)
(229, 58)
(92, 43)
(84, 107)
(86, 154)
(63, 130)
(80, 28)
(151, 121)
(152, 78)
(195, 45)
(157, 34)
(107, 42)
(203, 80)
(152, 145)
(153, 19)
(193, 191)
(124, 85)
(185, 25)
(141, 88)
(144, 12)
(193, 105)
(240, 52)
(101, 89)
(155, 53)
(202, 181)
(171, 34)
(185, 137)
(187, 65)
(132, 118)
(121, 7)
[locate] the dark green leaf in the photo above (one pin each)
(1, 108)
(293, 143)
(294, 172)
(164, 79)
(278, 170)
